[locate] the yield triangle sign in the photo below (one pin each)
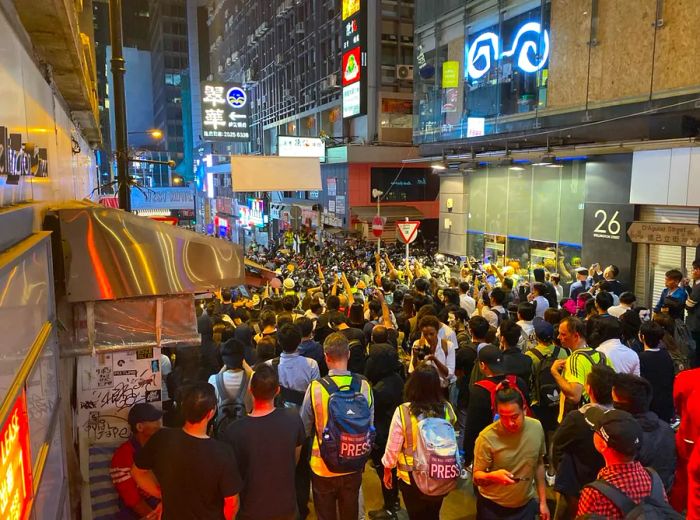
(408, 230)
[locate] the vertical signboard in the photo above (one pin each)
(354, 61)
(225, 112)
(15, 463)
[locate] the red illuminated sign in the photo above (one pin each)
(15, 463)
(351, 66)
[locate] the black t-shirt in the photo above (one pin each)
(657, 368)
(264, 449)
(195, 475)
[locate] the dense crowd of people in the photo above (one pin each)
(550, 401)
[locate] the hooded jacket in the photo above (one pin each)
(658, 448)
(387, 387)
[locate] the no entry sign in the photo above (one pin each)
(377, 226)
(408, 230)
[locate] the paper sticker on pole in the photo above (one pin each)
(408, 230)
(378, 225)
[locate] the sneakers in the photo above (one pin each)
(550, 479)
(383, 514)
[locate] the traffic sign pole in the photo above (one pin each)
(406, 247)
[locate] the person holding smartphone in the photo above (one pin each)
(437, 352)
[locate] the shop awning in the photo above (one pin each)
(390, 212)
(111, 254)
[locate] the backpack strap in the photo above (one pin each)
(330, 385)
(537, 354)
(657, 486)
(243, 387)
(621, 501)
(223, 391)
(407, 424)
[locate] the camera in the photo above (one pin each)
(421, 352)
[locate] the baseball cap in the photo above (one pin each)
(543, 329)
(143, 412)
(620, 429)
(492, 356)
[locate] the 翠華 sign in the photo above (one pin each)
(529, 51)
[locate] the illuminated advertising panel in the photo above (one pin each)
(350, 7)
(289, 146)
(225, 112)
(15, 463)
(354, 59)
(352, 100)
(351, 66)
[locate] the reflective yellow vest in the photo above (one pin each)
(410, 436)
(319, 403)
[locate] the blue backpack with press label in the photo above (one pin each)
(346, 441)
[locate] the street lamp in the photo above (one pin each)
(155, 133)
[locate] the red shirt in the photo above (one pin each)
(632, 479)
(687, 401)
(124, 483)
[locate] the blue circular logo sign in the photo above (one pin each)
(236, 97)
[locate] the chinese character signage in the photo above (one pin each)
(289, 146)
(225, 112)
(15, 463)
(354, 59)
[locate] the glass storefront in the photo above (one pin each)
(490, 67)
(528, 216)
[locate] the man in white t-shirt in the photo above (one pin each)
(627, 300)
(465, 300)
(624, 359)
(232, 375)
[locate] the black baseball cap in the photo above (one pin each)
(491, 356)
(143, 412)
(620, 429)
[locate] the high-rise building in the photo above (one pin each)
(135, 23)
(339, 71)
(169, 60)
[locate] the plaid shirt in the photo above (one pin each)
(632, 479)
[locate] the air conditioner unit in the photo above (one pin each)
(279, 59)
(286, 93)
(220, 68)
(332, 80)
(300, 28)
(324, 85)
(404, 72)
(228, 62)
(251, 39)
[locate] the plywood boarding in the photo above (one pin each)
(676, 61)
(568, 62)
(621, 63)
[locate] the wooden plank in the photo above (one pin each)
(568, 62)
(621, 63)
(676, 62)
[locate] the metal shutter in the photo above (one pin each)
(657, 259)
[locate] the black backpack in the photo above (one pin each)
(286, 396)
(231, 408)
(654, 506)
(546, 388)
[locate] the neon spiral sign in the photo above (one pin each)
(486, 49)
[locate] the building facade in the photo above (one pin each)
(538, 115)
(48, 85)
(340, 72)
(169, 60)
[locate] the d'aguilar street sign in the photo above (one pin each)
(664, 233)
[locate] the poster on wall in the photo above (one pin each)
(340, 204)
(109, 384)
